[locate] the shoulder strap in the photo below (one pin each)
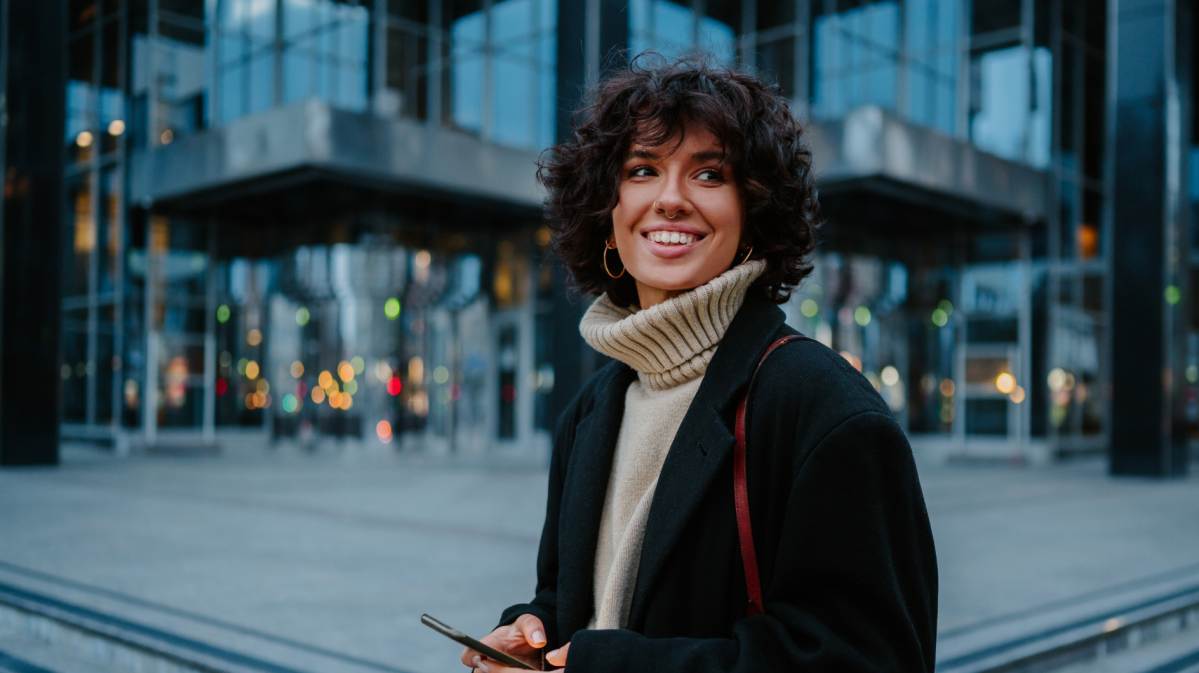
(745, 532)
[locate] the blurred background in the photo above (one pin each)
(286, 258)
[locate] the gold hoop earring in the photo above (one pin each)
(746, 257)
(608, 246)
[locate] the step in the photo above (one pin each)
(157, 640)
(1177, 653)
(1084, 629)
(24, 654)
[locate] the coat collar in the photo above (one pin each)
(699, 450)
(704, 441)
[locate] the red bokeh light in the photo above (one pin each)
(508, 393)
(455, 392)
(301, 389)
(221, 386)
(394, 386)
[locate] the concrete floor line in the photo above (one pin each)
(193, 616)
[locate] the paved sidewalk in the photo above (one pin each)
(337, 555)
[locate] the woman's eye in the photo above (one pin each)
(711, 175)
(641, 172)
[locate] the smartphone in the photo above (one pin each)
(460, 637)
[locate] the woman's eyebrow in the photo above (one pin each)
(708, 155)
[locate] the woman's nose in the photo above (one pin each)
(671, 202)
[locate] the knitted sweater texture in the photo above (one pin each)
(669, 345)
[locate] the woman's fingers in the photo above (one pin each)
(533, 630)
(558, 656)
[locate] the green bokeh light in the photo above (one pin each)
(1173, 294)
(862, 315)
(302, 316)
(222, 313)
(392, 308)
(809, 308)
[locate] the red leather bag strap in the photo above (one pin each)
(745, 531)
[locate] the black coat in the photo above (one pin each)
(848, 568)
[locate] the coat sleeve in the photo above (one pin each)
(545, 601)
(855, 582)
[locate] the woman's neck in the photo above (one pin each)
(648, 296)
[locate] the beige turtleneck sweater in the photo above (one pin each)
(669, 345)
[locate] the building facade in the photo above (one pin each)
(313, 219)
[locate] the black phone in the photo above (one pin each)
(461, 638)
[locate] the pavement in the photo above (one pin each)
(326, 560)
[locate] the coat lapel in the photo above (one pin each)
(703, 443)
(585, 487)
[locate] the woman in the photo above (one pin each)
(686, 197)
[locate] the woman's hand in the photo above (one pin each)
(521, 639)
(555, 658)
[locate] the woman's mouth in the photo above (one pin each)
(672, 237)
(671, 243)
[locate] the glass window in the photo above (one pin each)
(1012, 104)
(80, 122)
(673, 29)
(82, 232)
(855, 59)
(992, 15)
(325, 52)
(502, 71)
(931, 37)
(246, 60)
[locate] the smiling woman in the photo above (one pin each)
(685, 200)
(684, 148)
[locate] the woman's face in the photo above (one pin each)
(679, 219)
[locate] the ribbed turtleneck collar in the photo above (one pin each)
(672, 342)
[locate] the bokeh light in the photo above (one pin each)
(254, 337)
(391, 308)
(302, 316)
(318, 395)
(251, 370)
(297, 369)
(890, 375)
(325, 379)
(809, 308)
(383, 429)
(222, 313)
(1005, 382)
(394, 386)
(345, 371)
(861, 316)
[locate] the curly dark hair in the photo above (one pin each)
(651, 101)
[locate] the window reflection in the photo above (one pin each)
(502, 71)
(855, 58)
(674, 30)
(1012, 119)
(325, 52)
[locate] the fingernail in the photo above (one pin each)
(552, 654)
(482, 666)
(475, 662)
(538, 638)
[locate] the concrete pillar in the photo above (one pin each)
(1150, 250)
(31, 134)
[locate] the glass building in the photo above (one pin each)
(303, 220)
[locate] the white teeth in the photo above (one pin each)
(671, 238)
